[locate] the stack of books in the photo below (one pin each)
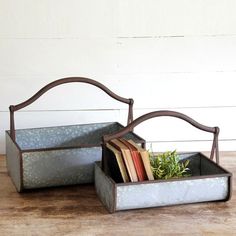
(125, 161)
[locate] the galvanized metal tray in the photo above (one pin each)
(208, 181)
(55, 156)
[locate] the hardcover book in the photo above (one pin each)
(138, 163)
(126, 157)
(116, 163)
(145, 157)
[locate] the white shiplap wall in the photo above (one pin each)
(166, 54)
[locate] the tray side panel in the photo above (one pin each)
(63, 136)
(13, 160)
(59, 167)
(171, 193)
(68, 136)
(104, 188)
(208, 168)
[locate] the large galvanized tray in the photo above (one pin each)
(55, 156)
(208, 181)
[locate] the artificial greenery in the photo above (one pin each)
(167, 165)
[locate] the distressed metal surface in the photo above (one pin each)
(64, 136)
(13, 162)
(207, 168)
(171, 193)
(63, 165)
(104, 188)
(163, 193)
(59, 167)
(200, 165)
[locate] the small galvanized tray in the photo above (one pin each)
(208, 181)
(55, 156)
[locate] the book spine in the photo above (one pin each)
(131, 167)
(147, 165)
(138, 164)
(145, 159)
(128, 161)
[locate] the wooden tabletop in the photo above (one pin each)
(76, 210)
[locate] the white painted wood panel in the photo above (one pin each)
(178, 90)
(190, 146)
(169, 133)
(64, 57)
(154, 91)
(30, 57)
(166, 54)
(50, 19)
(139, 18)
(129, 69)
(177, 54)
(170, 128)
(107, 18)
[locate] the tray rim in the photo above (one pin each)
(226, 174)
(7, 132)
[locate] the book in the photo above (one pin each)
(138, 163)
(111, 167)
(126, 157)
(145, 158)
(120, 162)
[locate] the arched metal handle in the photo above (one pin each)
(53, 84)
(130, 127)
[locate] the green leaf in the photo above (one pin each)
(167, 165)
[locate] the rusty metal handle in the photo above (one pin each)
(55, 83)
(130, 127)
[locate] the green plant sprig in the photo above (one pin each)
(167, 165)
